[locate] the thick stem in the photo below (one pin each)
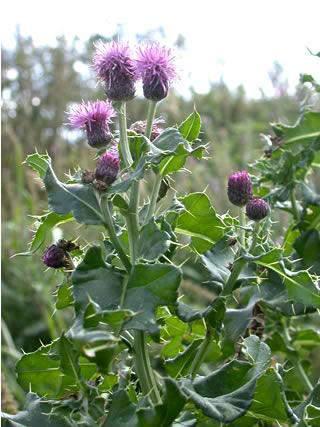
(236, 270)
(154, 197)
(295, 361)
(242, 231)
(124, 145)
(105, 208)
(150, 117)
(200, 354)
(255, 234)
(239, 264)
(144, 369)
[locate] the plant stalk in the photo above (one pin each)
(200, 354)
(242, 231)
(152, 107)
(106, 210)
(296, 363)
(124, 145)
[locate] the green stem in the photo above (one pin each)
(242, 232)
(154, 197)
(144, 369)
(255, 234)
(295, 211)
(200, 354)
(295, 361)
(236, 270)
(239, 264)
(124, 145)
(105, 208)
(152, 107)
(132, 220)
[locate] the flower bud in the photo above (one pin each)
(55, 257)
(95, 118)
(108, 167)
(140, 128)
(257, 209)
(115, 69)
(239, 188)
(156, 69)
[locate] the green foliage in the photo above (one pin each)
(135, 348)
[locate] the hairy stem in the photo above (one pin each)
(124, 145)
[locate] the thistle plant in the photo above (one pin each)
(140, 350)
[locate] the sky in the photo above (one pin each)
(237, 41)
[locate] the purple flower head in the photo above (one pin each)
(155, 66)
(116, 69)
(239, 188)
(257, 209)
(94, 117)
(108, 167)
(55, 257)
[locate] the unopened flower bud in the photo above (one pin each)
(55, 257)
(239, 188)
(156, 69)
(108, 167)
(116, 69)
(95, 118)
(140, 128)
(257, 209)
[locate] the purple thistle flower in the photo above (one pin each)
(239, 188)
(94, 117)
(155, 66)
(108, 167)
(116, 69)
(257, 209)
(55, 257)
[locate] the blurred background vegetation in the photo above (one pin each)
(38, 83)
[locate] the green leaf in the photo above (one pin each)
(44, 225)
(190, 128)
(227, 393)
(36, 412)
(149, 287)
(199, 221)
(123, 185)
(305, 131)
(213, 314)
(122, 411)
(270, 406)
(152, 242)
(179, 365)
(164, 414)
(300, 285)
(93, 316)
(170, 150)
(64, 297)
(50, 370)
(39, 163)
(94, 280)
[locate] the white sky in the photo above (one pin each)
(235, 39)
